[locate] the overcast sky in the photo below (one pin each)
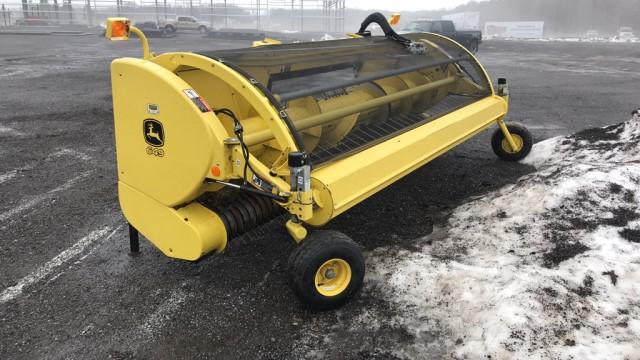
(399, 5)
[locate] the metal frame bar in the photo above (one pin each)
(365, 79)
(313, 121)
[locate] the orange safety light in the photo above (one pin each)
(118, 28)
(395, 19)
(215, 171)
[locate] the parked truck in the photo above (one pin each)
(625, 34)
(471, 39)
(183, 23)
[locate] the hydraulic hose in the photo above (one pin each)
(379, 19)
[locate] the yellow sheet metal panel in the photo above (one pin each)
(241, 88)
(355, 178)
(165, 144)
(187, 233)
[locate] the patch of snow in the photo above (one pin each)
(542, 152)
(548, 267)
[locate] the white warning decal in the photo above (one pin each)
(198, 100)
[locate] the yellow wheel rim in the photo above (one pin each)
(507, 147)
(333, 277)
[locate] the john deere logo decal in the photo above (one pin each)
(153, 132)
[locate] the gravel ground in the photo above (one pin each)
(76, 293)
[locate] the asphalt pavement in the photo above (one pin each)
(69, 288)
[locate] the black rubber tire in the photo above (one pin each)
(315, 250)
(170, 28)
(202, 29)
(517, 129)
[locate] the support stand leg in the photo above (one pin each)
(134, 241)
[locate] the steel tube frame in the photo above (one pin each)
(365, 79)
(313, 121)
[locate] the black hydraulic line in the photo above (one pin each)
(297, 138)
(381, 20)
(252, 190)
(320, 89)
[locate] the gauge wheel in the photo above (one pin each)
(522, 138)
(326, 270)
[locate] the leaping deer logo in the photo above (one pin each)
(153, 132)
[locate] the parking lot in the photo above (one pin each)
(70, 289)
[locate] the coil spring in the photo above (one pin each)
(245, 213)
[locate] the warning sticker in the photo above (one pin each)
(153, 109)
(198, 100)
(261, 183)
